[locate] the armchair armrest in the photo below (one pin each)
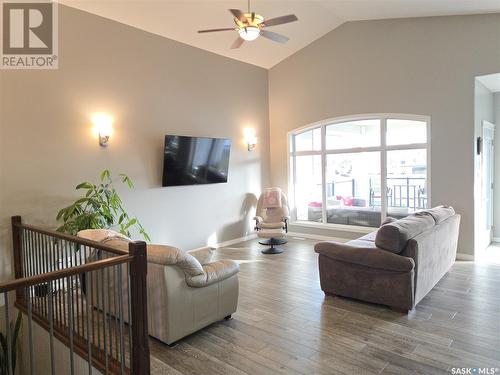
(172, 256)
(203, 255)
(258, 220)
(365, 256)
(213, 273)
(286, 219)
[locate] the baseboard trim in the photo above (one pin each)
(316, 237)
(234, 241)
(462, 256)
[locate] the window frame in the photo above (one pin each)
(383, 149)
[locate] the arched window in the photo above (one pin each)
(339, 169)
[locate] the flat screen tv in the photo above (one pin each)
(195, 160)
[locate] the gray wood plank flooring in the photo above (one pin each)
(286, 325)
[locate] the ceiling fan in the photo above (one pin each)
(251, 25)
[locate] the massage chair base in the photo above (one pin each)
(273, 242)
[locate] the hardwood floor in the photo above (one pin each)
(286, 325)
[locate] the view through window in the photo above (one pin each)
(339, 170)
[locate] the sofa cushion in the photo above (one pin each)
(441, 213)
(389, 220)
(369, 237)
(364, 253)
(394, 236)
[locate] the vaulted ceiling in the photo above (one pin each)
(180, 20)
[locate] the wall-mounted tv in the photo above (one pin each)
(195, 160)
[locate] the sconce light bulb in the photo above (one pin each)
(103, 123)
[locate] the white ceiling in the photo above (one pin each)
(180, 20)
(491, 81)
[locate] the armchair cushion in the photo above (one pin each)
(213, 273)
(101, 235)
(365, 256)
(157, 254)
(203, 255)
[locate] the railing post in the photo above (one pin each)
(139, 305)
(17, 252)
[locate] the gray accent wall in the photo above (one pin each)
(152, 86)
(423, 66)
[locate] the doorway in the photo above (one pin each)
(487, 150)
(486, 180)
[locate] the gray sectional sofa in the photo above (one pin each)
(398, 264)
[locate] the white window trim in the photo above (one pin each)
(383, 149)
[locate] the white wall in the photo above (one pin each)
(423, 66)
(153, 86)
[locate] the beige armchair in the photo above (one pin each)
(187, 291)
(271, 220)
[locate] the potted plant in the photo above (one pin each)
(4, 348)
(99, 208)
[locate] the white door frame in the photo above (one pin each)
(488, 235)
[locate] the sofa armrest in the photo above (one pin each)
(203, 255)
(365, 256)
(213, 273)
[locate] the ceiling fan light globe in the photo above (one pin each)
(249, 33)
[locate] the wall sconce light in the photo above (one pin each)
(103, 125)
(250, 138)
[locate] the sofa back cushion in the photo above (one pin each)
(441, 213)
(394, 236)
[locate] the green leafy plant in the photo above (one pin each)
(4, 352)
(100, 208)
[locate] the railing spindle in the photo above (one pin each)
(30, 329)
(120, 313)
(51, 328)
(108, 315)
(70, 326)
(89, 342)
(9, 333)
(115, 310)
(129, 307)
(104, 321)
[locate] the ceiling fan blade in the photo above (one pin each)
(281, 20)
(275, 37)
(215, 30)
(239, 15)
(237, 43)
